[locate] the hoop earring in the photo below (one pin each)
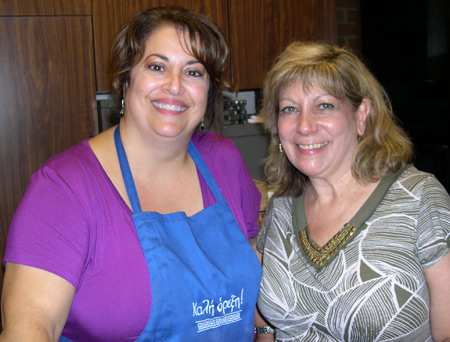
(122, 110)
(280, 148)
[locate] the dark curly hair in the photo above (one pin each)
(206, 41)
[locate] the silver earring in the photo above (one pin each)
(280, 147)
(202, 124)
(121, 111)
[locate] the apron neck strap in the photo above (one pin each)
(204, 170)
(126, 173)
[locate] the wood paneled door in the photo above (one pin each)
(47, 95)
(261, 29)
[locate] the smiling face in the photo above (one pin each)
(318, 132)
(168, 89)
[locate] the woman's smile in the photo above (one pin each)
(169, 108)
(312, 146)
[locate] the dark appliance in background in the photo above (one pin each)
(406, 45)
(239, 110)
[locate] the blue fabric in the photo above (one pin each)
(204, 274)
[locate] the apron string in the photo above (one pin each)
(126, 173)
(204, 170)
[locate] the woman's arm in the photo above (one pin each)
(438, 278)
(261, 322)
(259, 319)
(35, 304)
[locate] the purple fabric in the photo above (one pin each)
(72, 222)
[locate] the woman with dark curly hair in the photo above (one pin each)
(141, 233)
(355, 241)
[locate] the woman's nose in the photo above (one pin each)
(306, 123)
(173, 84)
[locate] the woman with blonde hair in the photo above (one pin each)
(355, 241)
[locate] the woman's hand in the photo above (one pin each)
(35, 304)
(438, 278)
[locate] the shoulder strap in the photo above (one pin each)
(203, 168)
(126, 173)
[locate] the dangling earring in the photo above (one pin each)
(202, 125)
(121, 111)
(280, 148)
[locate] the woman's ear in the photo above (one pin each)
(361, 115)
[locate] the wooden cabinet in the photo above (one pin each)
(44, 7)
(109, 16)
(260, 29)
(47, 94)
(257, 30)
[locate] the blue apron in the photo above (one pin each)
(204, 274)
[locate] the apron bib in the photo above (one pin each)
(204, 274)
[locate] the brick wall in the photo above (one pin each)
(349, 24)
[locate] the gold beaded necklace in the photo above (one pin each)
(320, 255)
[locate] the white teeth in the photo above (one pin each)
(164, 106)
(313, 146)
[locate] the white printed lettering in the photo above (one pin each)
(229, 310)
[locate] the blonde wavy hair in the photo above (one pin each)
(384, 145)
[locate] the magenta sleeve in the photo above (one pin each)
(49, 229)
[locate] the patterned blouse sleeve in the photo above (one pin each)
(433, 222)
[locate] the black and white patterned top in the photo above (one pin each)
(373, 288)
